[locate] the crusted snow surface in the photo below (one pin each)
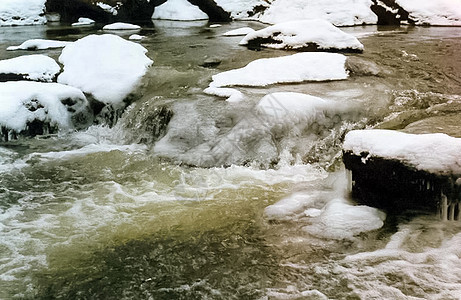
(33, 67)
(239, 31)
(302, 34)
(338, 12)
(25, 101)
(121, 26)
(436, 153)
(39, 44)
(434, 12)
(22, 12)
(106, 66)
(286, 69)
(180, 10)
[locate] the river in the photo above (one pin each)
(147, 211)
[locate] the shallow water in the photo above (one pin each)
(130, 213)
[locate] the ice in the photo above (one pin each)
(39, 44)
(84, 22)
(121, 26)
(342, 220)
(180, 10)
(24, 101)
(338, 12)
(286, 69)
(303, 34)
(289, 205)
(239, 31)
(22, 12)
(435, 153)
(106, 66)
(435, 12)
(36, 67)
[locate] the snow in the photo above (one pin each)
(434, 12)
(179, 10)
(341, 220)
(108, 8)
(232, 95)
(39, 44)
(241, 9)
(25, 101)
(435, 153)
(301, 34)
(135, 37)
(22, 12)
(215, 25)
(121, 26)
(289, 205)
(83, 22)
(286, 69)
(239, 31)
(34, 67)
(338, 12)
(106, 66)
(282, 104)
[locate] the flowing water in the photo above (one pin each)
(154, 210)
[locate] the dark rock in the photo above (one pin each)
(4, 77)
(215, 12)
(390, 13)
(391, 185)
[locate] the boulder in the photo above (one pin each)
(390, 13)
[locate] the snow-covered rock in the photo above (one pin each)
(121, 26)
(306, 35)
(435, 153)
(180, 10)
(338, 12)
(39, 44)
(435, 12)
(239, 31)
(243, 9)
(232, 95)
(37, 108)
(106, 66)
(35, 67)
(22, 12)
(286, 69)
(135, 37)
(84, 22)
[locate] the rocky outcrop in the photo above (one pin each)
(215, 12)
(104, 11)
(390, 13)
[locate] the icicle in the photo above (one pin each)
(451, 216)
(350, 184)
(444, 207)
(458, 217)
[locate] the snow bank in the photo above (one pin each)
(25, 101)
(180, 10)
(435, 153)
(286, 69)
(239, 31)
(241, 9)
(121, 26)
(434, 12)
(341, 220)
(33, 67)
(106, 66)
(22, 12)
(338, 12)
(303, 35)
(83, 22)
(39, 44)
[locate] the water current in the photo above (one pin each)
(185, 210)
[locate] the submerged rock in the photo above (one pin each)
(395, 170)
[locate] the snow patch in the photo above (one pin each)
(302, 35)
(338, 12)
(106, 66)
(232, 95)
(25, 101)
(39, 44)
(22, 12)
(239, 31)
(286, 69)
(135, 37)
(108, 8)
(83, 22)
(435, 153)
(121, 26)
(179, 10)
(435, 12)
(36, 67)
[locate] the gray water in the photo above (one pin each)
(134, 212)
